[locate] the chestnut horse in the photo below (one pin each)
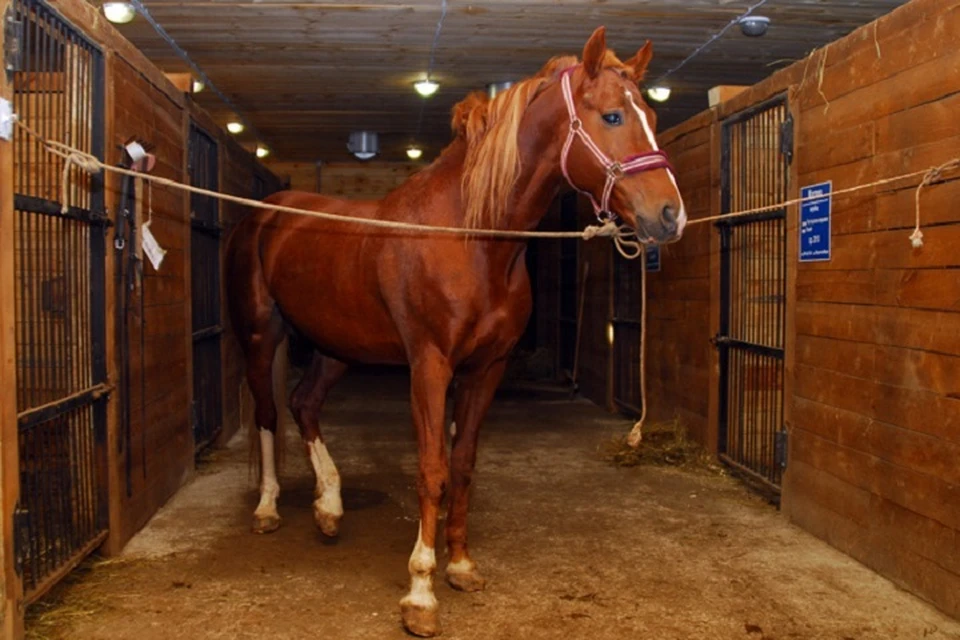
(447, 306)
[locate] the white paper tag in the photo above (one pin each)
(151, 247)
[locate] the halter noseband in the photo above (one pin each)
(646, 161)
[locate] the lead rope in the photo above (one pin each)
(636, 433)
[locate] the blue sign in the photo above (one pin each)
(815, 222)
(652, 254)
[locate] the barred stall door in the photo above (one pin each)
(205, 289)
(755, 159)
(60, 301)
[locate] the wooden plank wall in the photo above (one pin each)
(873, 335)
(875, 429)
(299, 176)
(161, 438)
(364, 180)
(678, 359)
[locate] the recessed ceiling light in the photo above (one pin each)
(119, 12)
(659, 94)
(262, 151)
(198, 86)
(426, 87)
(234, 127)
(414, 153)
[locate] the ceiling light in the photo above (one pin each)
(414, 153)
(198, 86)
(234, 127)
(262, 151)
(754, 26)
(119, 12)
(426, 88)
(363, 144)
(497, 87)
(659, 94)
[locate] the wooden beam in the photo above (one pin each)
(723, 92)
(9, 432)
(182, 81)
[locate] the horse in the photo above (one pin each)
(450, 308)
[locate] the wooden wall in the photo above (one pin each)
(364, 180)
(875, 428)
(300, 176)
(157, 452)
(873, 356)
(678, 301)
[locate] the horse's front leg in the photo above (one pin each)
(430, 376)
(474, 394)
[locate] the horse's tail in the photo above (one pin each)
(242, 265)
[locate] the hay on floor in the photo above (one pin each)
(663, 444)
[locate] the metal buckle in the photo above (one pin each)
(575, 124)
(615, 170)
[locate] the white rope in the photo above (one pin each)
(636, 433)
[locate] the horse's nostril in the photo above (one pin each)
(669, 214)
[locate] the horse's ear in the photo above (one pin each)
(640, 61)
(594, 52)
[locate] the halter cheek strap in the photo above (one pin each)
(646, 161)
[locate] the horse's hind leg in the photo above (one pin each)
(305, 404)
(260, 348)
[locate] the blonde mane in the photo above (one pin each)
(490, 129)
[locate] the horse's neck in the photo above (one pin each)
(541, 176)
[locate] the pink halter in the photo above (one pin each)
(647, 161)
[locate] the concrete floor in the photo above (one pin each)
(570, 545)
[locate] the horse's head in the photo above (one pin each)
(610, 152)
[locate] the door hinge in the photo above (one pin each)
(12, 42)
(780, 449)
(786, 138)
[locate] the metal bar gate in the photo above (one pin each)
(58, 80)
(756, 152)
(205, 290)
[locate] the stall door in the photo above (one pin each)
(755, 160)
(205, 290)
(60, 313)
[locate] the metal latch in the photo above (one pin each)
(12, 42)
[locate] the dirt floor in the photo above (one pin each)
(571, 546)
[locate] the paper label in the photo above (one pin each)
(150, 247)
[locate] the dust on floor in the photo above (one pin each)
(571, 546)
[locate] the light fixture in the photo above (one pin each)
(119, 12)
(363, 144)
(235, 127)
(262, 151)
(754, 26)
(414, 153)
(426, 87)
(198, 86)
(659, 94)
(497, 87)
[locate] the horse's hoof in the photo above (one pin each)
(468, 580)
(265, 524)
(420, 621)
(328, 524)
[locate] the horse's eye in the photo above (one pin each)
(615, 118)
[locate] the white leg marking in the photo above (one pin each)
(328, 480)
(423, 562)
(682, 217)
(269, 487)
(464, 565)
